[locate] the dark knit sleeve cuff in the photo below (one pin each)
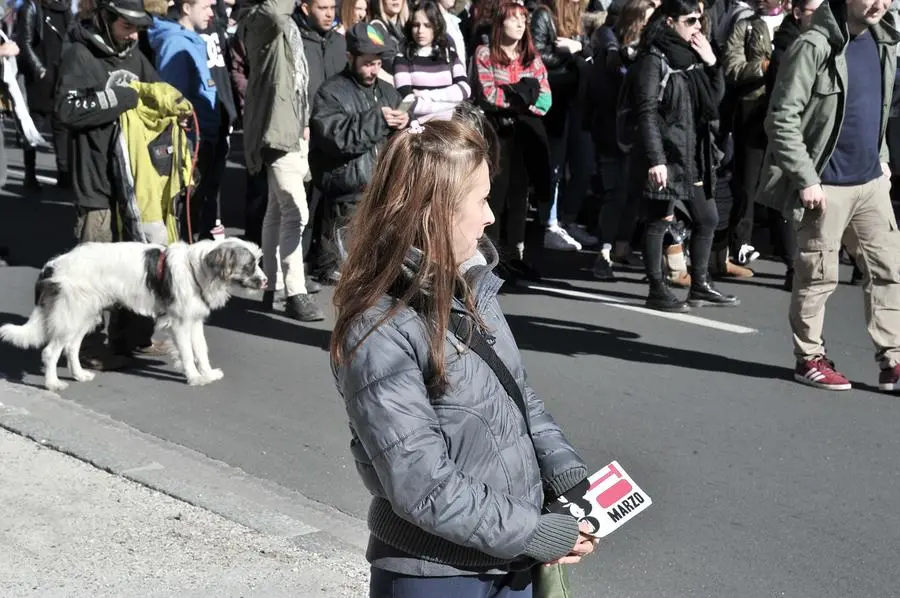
(555, 538)
(563, 483)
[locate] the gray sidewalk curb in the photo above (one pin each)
(177, 471)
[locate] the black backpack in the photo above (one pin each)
(626, 122)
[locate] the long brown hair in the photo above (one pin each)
(567, 17)
(525, 47)
(630, 21)
(348, 13)
(417, 184)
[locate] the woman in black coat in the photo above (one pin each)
(676, 89)
(41, 31)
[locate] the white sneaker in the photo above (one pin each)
(579, 233)
(557, 238)
(747, 254)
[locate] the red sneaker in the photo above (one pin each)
(889, 379)
(820, 373)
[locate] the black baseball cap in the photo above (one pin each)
(130, 10)
(364, 38)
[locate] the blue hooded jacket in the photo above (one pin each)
(181, 60)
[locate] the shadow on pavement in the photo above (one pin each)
(245, 315)
(547, 335)
(15, 363)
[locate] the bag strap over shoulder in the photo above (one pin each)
(472, 337)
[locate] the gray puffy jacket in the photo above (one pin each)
(457, 484)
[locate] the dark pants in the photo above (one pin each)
(257, 200)
(509, 193)
(385, 584)
(60, 146)
(618, 213)
(704, 216)
(783, 235)
(337, 213)
(571, 165)
(205, 208)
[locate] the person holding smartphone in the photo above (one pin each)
(354, 112)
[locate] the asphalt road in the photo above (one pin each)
(761, 486)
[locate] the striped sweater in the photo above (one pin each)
(439, 85)
(492, 77)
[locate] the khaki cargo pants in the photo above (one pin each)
(861, 217)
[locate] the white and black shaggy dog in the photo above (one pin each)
(178, 286)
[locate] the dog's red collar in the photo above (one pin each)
(161, 266)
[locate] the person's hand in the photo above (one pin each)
(813, 198)
(584, 546)
(10, 48)
(395, 118)
(886, 169)
(306, 134)
(704, 49)
(659, 176)
(572, 45)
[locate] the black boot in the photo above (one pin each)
(704, 293)
(31, 183)
(662, 298)
(312, 287)
(303, 308)
(268, 300)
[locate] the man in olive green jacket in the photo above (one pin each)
(827, 168)
(276, 117)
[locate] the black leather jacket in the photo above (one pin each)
(41, 30)
(563, 67)
(347, 128)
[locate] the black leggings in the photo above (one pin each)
(509, 194)
(705, 218)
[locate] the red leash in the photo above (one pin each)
(190, 185)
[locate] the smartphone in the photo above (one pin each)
(407, 104)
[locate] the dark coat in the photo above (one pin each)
(346, 130)
(89, 101)
(667, 132)
(326, 54)
(41, 31)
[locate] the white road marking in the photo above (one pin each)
(631, 306)
(19, 174)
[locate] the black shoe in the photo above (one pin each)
(788, 281)
(303, 308)
(312, 287)
(662, 299)
(329, 278)
(602, 269)
(268, 300)
(32, 186)
(523, 271)
(703, 293)
(63, 180)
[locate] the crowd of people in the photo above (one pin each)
(646, 129)
(396, 150)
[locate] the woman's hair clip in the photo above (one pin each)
(415, 127)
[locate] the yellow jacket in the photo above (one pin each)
(154, 159)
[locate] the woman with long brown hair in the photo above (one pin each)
(458, 467)
(353, 12)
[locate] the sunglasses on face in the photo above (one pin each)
(691, 21)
